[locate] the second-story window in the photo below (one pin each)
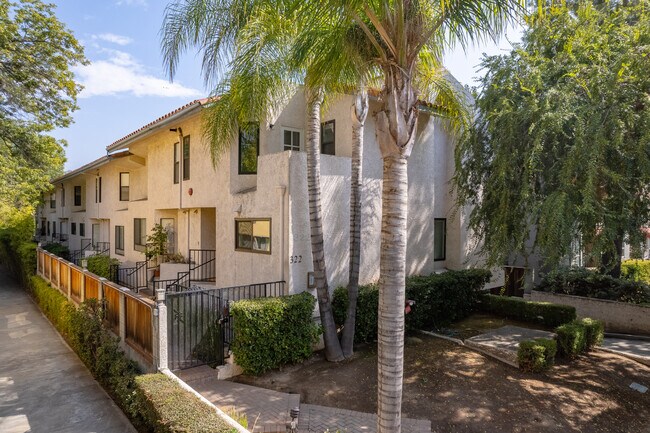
(186, 157)
(177, 164)
(98, 190)
(291, 139)
(125, 183)
(77, 195)
(53, 201)
(327, 138)
(249, 149)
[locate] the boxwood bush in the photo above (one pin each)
(100, 265)
(591, 284)
(168, 408)
(543, 313)
(579, 336)
(536, 355)
(272, 332)
(439, 300)
(594, 332)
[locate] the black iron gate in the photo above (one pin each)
(199, 326)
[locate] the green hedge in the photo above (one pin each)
(636, 270)
(536, 355)
(272, 332)
(168, 408)
(590, 284)
(100, 265)
(543, 313)
(439, 300)
(58, 250)
(579, 336)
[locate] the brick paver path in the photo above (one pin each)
(267, 411)
(44, 387)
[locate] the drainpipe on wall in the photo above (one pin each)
(283, 191)
(180, 184)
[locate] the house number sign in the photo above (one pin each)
(295, 259)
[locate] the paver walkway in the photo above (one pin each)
(44, 387)
(267, 411)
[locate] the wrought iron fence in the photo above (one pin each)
(200, 327)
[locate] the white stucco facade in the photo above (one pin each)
(203, 208)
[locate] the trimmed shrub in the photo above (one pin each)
(168, 408)
(571, 339)
(439, 300)
(594, 332)
(100, 265)
(272, 332)
(57, 249)
(536, 355)
(54, 305)
(636, 270)
(365, 329)
(543, 313)
(590, 284)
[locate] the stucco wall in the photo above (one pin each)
(618, 316)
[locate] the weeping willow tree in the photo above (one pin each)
(561, 139)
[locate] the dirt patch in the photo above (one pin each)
(462, 391)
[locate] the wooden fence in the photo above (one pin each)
(127, 314)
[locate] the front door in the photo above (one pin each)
(168, 225)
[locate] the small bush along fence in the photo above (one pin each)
(100, 265)
(543, 313)
(636, 270)
(58, 250)
(536, 355)
(168, 408)
(579, 337)
(272, 332)
(439, 300)
(590, 284)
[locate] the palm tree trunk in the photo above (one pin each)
(359, 114)
(395, 135)
(333, 350)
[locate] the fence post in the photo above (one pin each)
(160, 343)
(70, 282)
(58, 274)
(100, 288)
(49, 274)
(123, 313)
(82, 294)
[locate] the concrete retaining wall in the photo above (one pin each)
(618, 316)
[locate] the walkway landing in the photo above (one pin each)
(44, 387)
(267, 411)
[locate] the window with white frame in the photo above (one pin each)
(291, 139)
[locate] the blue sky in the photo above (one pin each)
(125, 85)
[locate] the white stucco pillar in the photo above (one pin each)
(161, 342)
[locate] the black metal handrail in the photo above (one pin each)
(203, 265)
(135, 278)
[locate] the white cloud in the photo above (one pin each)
(122, 74)
(142, 3)
(113, 38)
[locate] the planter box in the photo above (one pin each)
(169, 271)
(618, 316)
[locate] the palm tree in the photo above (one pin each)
(408, 38)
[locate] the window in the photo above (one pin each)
(53, 228)
(253, 235)
(119, 240)
(77, 195)
(291, 139)
(125, 181)
(249, 149)
(48, 228)
(327, 138)
(439, 239)
(82, 229)
(62, 196)
(139, 234)
(98, 190)
(177, 164)
(186, 157)
(53, 201)
(73, 228)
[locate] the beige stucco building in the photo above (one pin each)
(251, 214)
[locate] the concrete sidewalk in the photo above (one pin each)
(44, 387)
(267, 411)
(636, 349)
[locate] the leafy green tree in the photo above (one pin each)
(37, 94)
(561, 140)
